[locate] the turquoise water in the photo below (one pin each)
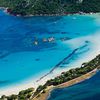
(21, 59)
(87, 90)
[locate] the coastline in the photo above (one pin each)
(49, 15)
(31, 82)
(52, 15)
(22, 86)
(44, 96)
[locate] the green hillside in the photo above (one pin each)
(27, 7)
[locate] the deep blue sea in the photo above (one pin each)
(22, 59)
(87, 90)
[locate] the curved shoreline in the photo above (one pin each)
(44, 96)
(51, 15)
(27, 85)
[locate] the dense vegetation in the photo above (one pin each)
(71, 74)
(37, 7)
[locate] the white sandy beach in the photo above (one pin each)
(95, 50)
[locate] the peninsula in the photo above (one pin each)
(65, 79)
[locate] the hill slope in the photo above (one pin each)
(27, 7)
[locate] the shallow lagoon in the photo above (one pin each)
(20, 59)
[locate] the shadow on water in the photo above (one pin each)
(1, 82)
(4, 82)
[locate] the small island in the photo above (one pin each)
(65, 79)
(49, 7)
